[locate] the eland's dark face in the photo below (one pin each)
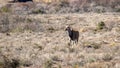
(68, 28)
(69, 31)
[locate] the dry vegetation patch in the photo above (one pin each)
(41, 41)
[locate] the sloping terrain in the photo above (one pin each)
(40, 41)
(64, 6)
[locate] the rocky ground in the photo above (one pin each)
(40, 41)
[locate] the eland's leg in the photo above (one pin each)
(70, 42)
(76, 42)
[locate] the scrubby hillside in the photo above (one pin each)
(32, 35)
(40, 41)
(70, 6)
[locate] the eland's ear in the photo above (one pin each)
(66, 28)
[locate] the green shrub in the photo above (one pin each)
(51, 29)
(17, 29)
(107, 57)
(10, 63)
(48, 64)
(118, 10)
(29, 20)
(71, 49)
(55, 58)
(91, 60)
(38, 46)
(1, 64)
(38, 11)
(4, 27)
(5, 9)
(64, 4)
(76, 66)
(101, 25)
(96, 46)
(92, 45)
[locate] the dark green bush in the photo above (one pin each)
(101, 25)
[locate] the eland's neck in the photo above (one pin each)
(70, 32)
